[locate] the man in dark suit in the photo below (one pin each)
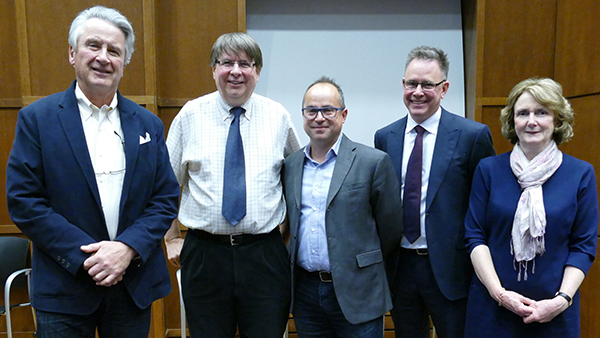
(90, 183)
(345, 218)
(433, 272)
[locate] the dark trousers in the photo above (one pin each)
(117, 317)
(416, 296)
(317, 313)
(224, 286)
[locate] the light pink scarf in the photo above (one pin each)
(529, 225)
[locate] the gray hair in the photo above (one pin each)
(430, 54)
(107, 14)
(236, 43)
(325, 79)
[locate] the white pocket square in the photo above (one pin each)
(145, 140)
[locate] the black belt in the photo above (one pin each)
(233, 239)
(323, 276)
(419, 252)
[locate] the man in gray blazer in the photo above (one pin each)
(344, 218)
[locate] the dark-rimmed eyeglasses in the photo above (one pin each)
(425, 86)
(310, 113)
(228, 64)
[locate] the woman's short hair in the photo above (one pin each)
(549, 94)
(107, 14)
(236, 43)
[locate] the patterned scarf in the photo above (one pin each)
(529, 225)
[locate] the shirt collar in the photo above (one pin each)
(333, 152)
(226, 111)
(431, 124)
(86, 107)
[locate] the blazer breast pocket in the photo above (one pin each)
(369, 258)
(353, 186)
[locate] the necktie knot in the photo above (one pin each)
(420, 130)
(237, 112)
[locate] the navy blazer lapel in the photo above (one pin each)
(131, 138)
(343, 163)
(395, 146)
(445, 146)
(70, 119)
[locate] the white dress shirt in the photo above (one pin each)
(431, 128)
(103, 135)
(196, 141)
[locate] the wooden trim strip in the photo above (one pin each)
(241, 5)
(23, 43)
(493, 101)
(9, 229)
(148, 10)
(173, 102)
(11, 103)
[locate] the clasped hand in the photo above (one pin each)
(532, 311)
(108, 261)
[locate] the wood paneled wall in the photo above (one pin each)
(506, 42)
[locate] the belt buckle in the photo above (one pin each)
(325, 276)
(422, 252)
(232, 240)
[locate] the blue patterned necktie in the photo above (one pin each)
(234, 178)
(412, 189)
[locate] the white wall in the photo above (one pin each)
(362, 45)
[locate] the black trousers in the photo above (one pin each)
(247, 286)
(417, 296)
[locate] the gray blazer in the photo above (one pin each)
(363, 224)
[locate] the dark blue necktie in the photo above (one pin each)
(234, 176)
(412, 189)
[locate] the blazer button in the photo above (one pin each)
(59, 258)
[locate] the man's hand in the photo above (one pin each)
(108, 261)
(174, 246)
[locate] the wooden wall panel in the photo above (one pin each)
(8, 120)
(47, 34)
(185, 33)
(9, 53)
(518, 43)
(491, 117)
(578, 47)
(585, 144)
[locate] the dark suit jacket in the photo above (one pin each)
(363, 224)
(459, 146)
(53, 198)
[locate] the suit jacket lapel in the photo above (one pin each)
(70, 119)
(295, 170)
(396, 147)
(132, 133)
(445, 146)
(343, 163)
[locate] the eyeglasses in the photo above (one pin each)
(228, 64)
(425, 86)
(310, 113)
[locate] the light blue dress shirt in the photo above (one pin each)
(313, 254)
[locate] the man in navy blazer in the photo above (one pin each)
(433, 272)
(345, 218)
(90, 183)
